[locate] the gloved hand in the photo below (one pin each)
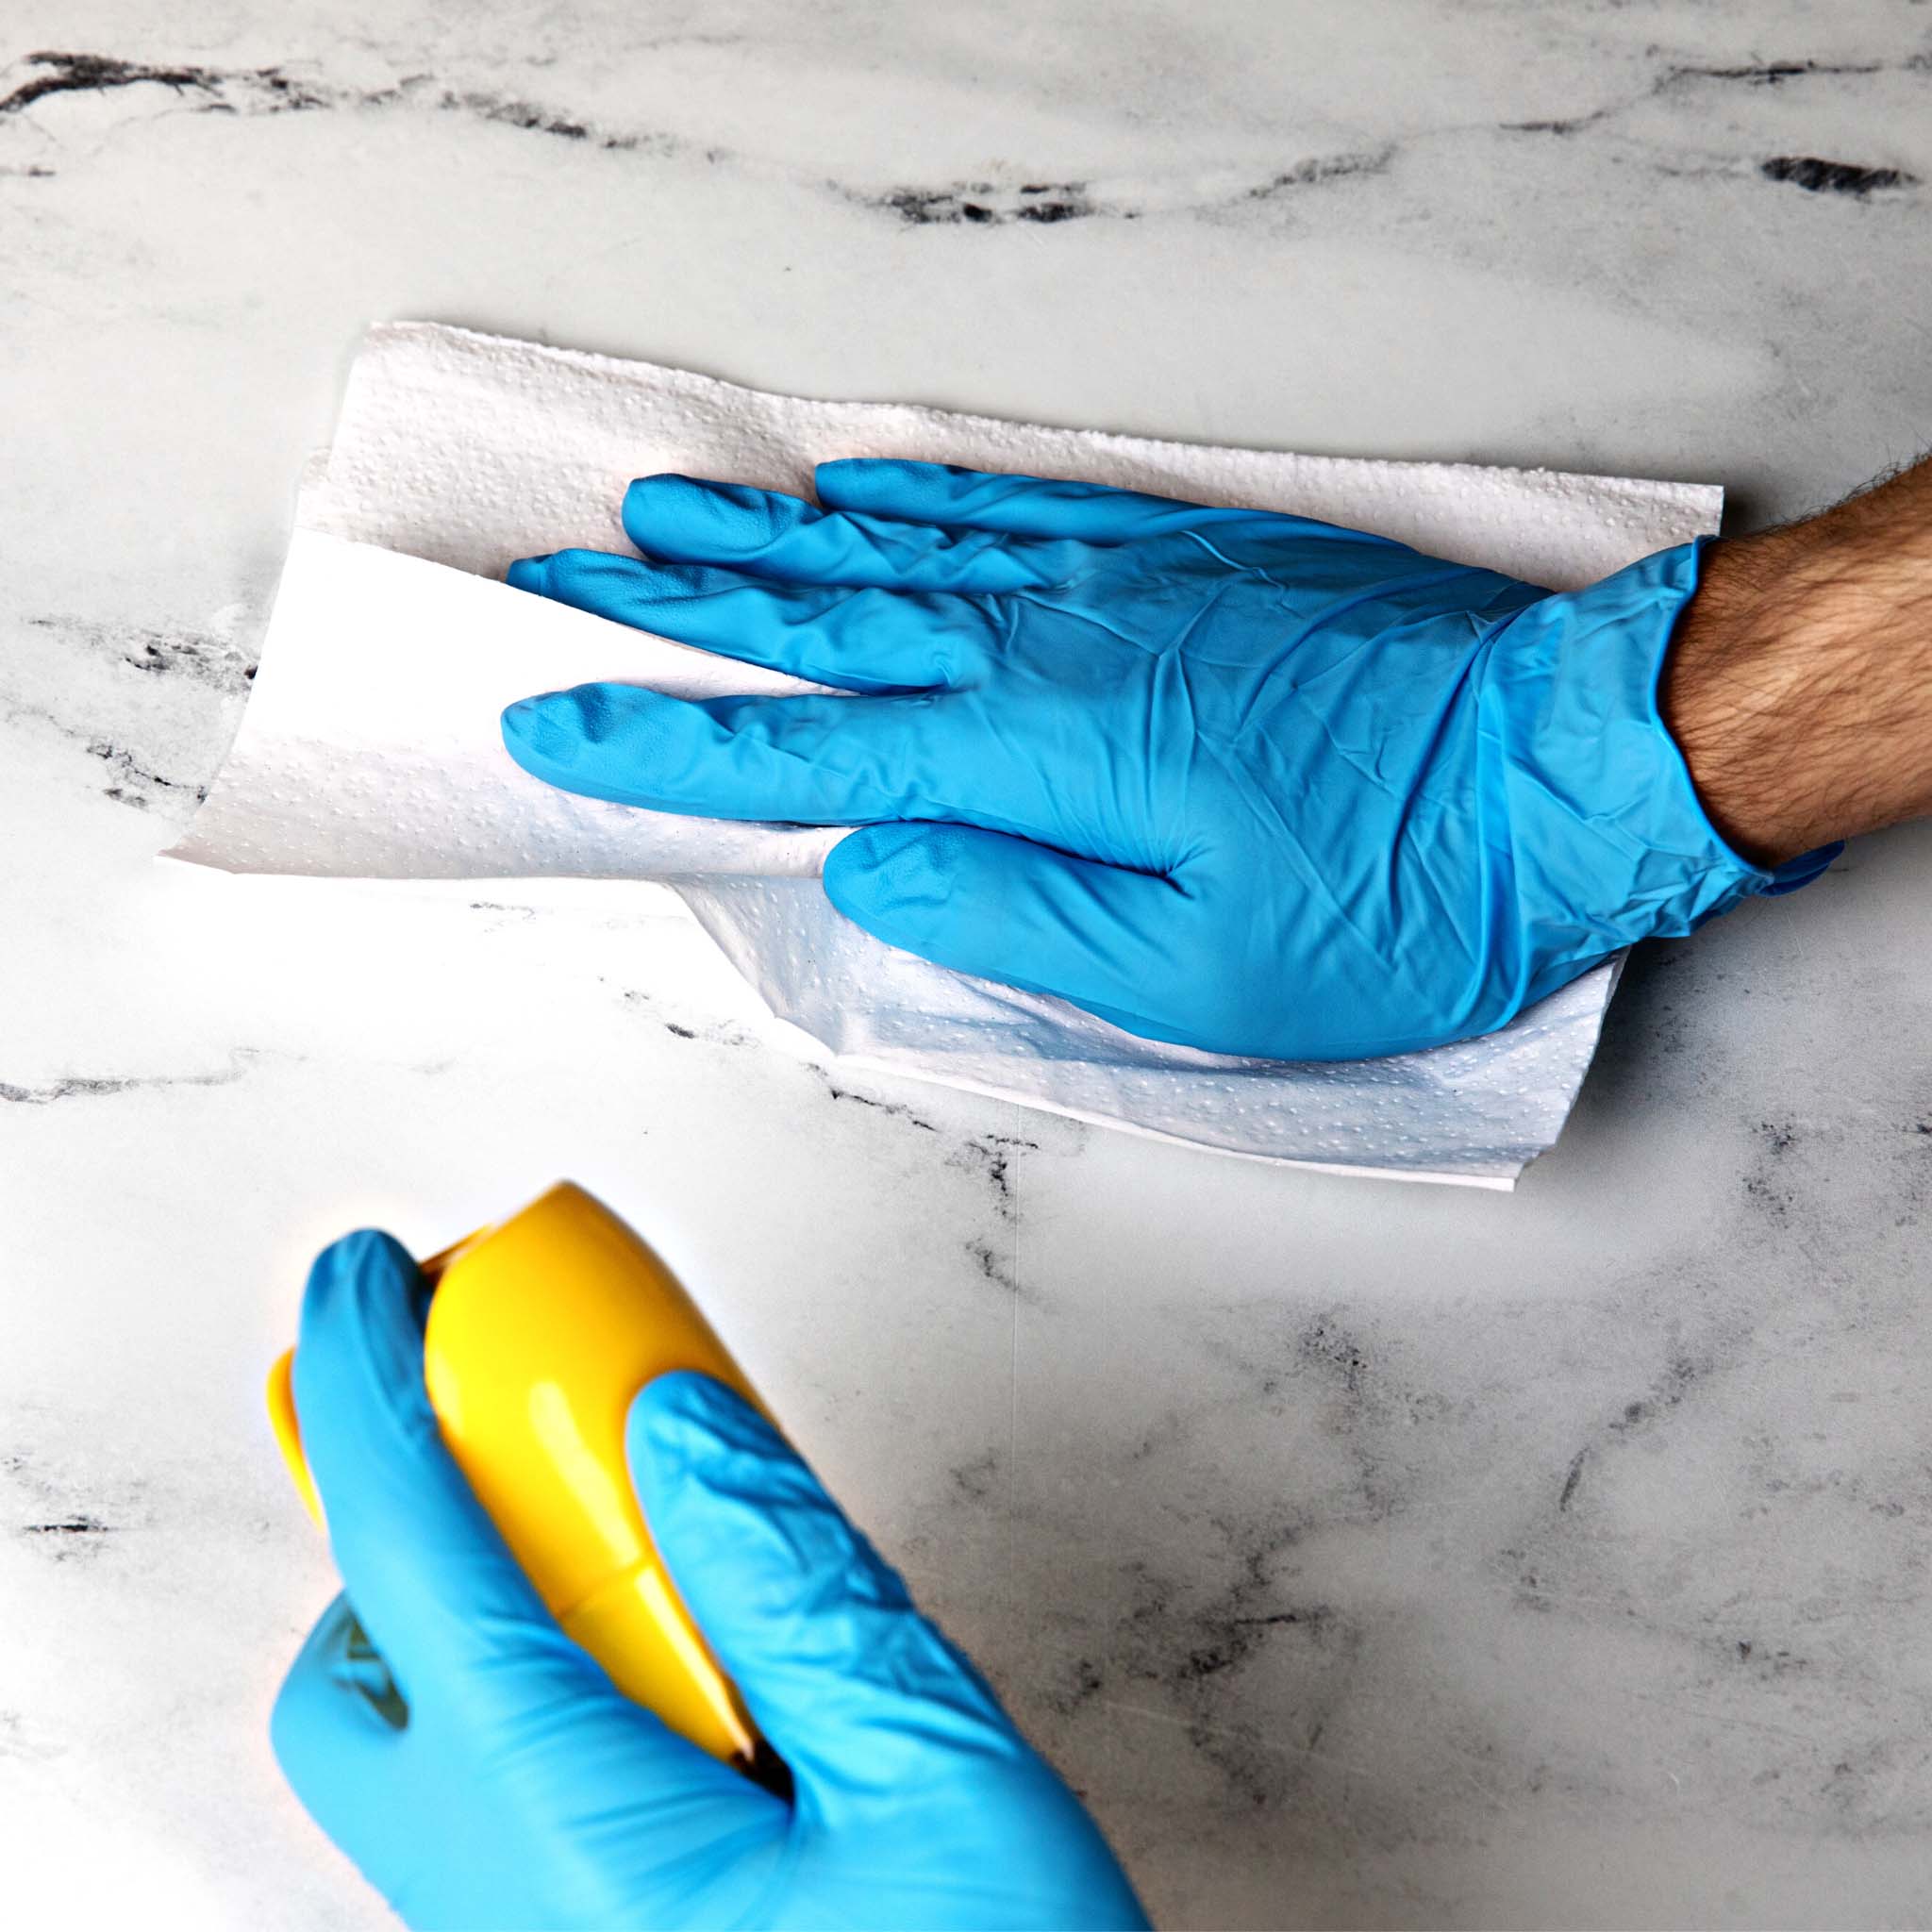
(1235, 779)
(480, 1768)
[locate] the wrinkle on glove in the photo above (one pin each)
(1228, 778)
(481, 1770)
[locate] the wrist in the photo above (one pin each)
(1799, 681)
(1732, 687)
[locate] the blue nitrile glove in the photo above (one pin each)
(480, 1768)
(1222, 777)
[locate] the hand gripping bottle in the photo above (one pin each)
(541, 1330)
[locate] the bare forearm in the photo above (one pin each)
(1800, 684)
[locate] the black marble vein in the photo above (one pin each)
(97, 1086)
(130, 774)
(985, 204)
(272, 89)
(1833, 177)
(993, 204)
(66, 73)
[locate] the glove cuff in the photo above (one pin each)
(1772, 881)
(1607, 839)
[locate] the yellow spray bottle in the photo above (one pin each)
(541, 1330)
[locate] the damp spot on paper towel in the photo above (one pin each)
(1834, 177)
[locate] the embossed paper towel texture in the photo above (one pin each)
(370, 745)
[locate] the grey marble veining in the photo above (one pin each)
(1368, 1555)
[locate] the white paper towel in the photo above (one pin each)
(370, 745)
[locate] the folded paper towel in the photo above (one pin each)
(370, 746)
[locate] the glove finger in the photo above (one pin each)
(430, 1578)
(1037, 506)
(336, 1735)
(776, 536)
(1005, 908)
(844, 1676)
(864, 639)
(805, 760)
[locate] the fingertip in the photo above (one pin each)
(678, 1417)
(862, 482)
(367, 1262)
(646, 498)
(359, 1356)
(695, 519)
(659, 481)
(598, 581)
(577, 577)
(544, 733)
(685, 1392)
(837, 470)
(889, 871)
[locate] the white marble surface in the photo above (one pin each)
(1369, 1556)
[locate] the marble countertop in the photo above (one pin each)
(1367, 1555)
